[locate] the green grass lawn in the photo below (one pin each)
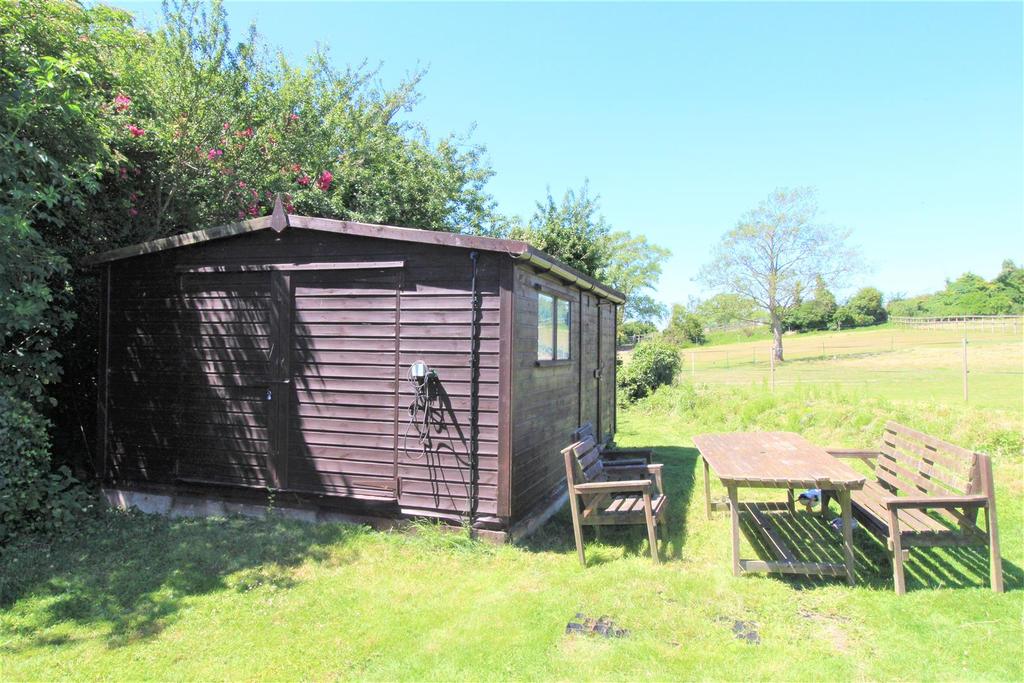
(140, 597)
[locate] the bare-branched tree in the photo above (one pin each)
(777, 248)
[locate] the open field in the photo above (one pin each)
(140, 597)
(903, 364)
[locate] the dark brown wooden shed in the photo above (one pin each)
(272, 357)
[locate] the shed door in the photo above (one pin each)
(589, 361)
(207, 348)
(342, 369)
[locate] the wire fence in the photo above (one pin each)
(983, 368)
(1008, 324)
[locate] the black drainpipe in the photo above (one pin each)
(474, 396)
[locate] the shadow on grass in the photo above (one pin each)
(132, 572)
(679, 476)
(811, 539)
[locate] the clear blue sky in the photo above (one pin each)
(907, 118)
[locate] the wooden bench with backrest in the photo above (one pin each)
(613, 457)
(599, 495)
(927, 492)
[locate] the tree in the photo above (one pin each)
(864, 308)
(684, 327)
(815, 314)
(575, 232)
(633, 268)
(727, 309)
(774, 247)
(572, 230)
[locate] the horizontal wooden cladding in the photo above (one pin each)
(191, 328)
(126, 362)
(358, 414)
(243, 431)
(412, 301)
(334, 317)
(436, 331)
(377, 331)
(241, 445)
(172, 343)
(161, 316)
(436, 359)
(193, 378)
(185, 304)
(446, 503)
(342, 485)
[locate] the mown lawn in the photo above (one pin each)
(140, 597)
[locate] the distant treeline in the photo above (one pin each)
(817, 309)
(969, 294)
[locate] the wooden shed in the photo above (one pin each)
(272, 357)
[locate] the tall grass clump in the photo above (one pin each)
(830, 415)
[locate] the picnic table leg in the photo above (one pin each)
(652, 530)
(844, 503)
(707, 488)
(734, 512)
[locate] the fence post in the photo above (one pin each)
(965, 369)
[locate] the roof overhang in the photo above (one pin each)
(280, 221)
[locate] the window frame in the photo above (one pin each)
(555, 299)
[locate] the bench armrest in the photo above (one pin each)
(626, 486)
(924, 502)
(851, 453)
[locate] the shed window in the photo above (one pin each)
(554, 324)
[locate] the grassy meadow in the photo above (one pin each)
(132, 596)
(905, 364)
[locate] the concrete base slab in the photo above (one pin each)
(185, 505)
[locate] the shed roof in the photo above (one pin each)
(280, 220)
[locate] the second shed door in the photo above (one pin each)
(342, 373)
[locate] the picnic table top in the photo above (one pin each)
(775, 459)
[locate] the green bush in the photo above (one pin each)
(654, 363)
(33, 497)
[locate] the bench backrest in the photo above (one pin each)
(583, 432)
(583, 463)
(915, 463)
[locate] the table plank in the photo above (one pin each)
(774, 459)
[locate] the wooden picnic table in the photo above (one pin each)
(777, 460)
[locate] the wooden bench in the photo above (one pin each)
(619, 495)
(927, 493)
(613, 457)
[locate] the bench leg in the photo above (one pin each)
(707, 488)
(995, 562)
(897, 553)
(734, 513)
(576, 528)
(844, 503)
(652, 530)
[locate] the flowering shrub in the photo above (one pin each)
(111, 135)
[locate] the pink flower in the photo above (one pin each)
(241, 184)
(296, 168)
(133, 212)
(293, 117)
(132, 197)
(324, 183)
(241, 214)
(247, 133)
(215, 153)
(289, 208)
(225, 125)
(253, 209)
(122, 171)
(135, 130)
(303, 180)
(122, 102)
